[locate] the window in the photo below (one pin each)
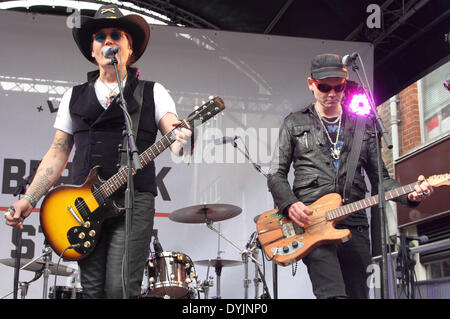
(439, 269)
(435, 100)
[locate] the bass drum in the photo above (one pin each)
(62, 292)
(169, 275)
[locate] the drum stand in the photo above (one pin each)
(204, 285)
(46, 254)
(44, 271)
(259, 277)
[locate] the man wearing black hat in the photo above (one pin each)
(317, 141)
(90, 117)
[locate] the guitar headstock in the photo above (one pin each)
(205, 112)
(439, 180)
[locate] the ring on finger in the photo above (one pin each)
(427, 192)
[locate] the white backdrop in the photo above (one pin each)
(261, 80)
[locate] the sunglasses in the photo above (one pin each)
(325, 88)
(101, 36)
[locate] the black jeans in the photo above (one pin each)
(101, 271)
(340, 270)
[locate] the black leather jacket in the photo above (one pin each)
(302, 143)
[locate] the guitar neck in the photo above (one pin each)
(368, 202)
(120, 178)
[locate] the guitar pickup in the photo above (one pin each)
(72, 212)
(288, 230)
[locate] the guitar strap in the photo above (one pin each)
(353, 157)
(138, 95)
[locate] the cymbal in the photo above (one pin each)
(218, 262)
(39, 265)
(255, 219)
(205, 212)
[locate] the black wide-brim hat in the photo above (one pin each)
(109, 16)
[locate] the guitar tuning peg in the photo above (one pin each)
(223, 114)
(196, 107)
(214, 118)
(207, 123)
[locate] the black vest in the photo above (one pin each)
(98, 132)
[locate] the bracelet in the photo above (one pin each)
(31, 199)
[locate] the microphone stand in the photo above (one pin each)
(378, 123)
(274, 265)
(133, 164)
(17, 232)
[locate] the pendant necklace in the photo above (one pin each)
(112, 94)
(335, 152)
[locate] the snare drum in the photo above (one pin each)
(62, 292)
(169, 274)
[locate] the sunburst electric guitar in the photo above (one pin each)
(71, 216)
(285, 242)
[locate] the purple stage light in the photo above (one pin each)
(360, 104)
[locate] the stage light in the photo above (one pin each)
(359, 104)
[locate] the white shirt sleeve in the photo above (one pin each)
(163, 102)
(63, 120)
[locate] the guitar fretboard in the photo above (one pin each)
(367, 202)
(120, 178)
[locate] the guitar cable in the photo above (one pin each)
(57, 266)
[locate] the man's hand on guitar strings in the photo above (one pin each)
(421, 191)
(299, 213)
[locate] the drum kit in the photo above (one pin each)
(172, 275)
(43, 266)
(168, 275)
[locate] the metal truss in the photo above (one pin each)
(177, 16)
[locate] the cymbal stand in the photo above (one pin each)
(244, 253)
(209, 225)
(46, 254)
(256, 280)
(23, 286)
(207, 283)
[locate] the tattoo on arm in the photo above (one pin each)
(48, 174)
(63, 144)
(41, 183)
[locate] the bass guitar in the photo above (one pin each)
(71, 216)
(285, 242)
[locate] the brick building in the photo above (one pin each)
(418, 121)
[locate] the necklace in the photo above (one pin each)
(331, 122)
(335, 152)
(112, 91)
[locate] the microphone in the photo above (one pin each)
(156, 244)
(225, 140)
(109, 52)
(349, 58)
(249, 241)
(422, 239)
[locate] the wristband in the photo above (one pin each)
(31, 199)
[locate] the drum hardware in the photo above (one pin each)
(204, 285)
(41, 267)
(265, 295)
(63, 292)
(169, 275)
(218, 264)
